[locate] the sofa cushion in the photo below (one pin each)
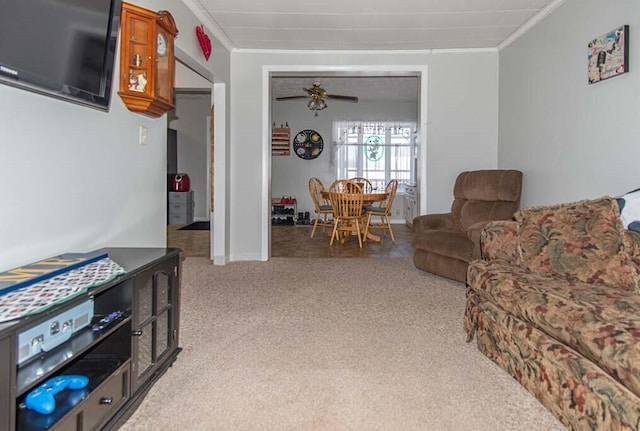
(449, 243)
(575, 389)
(584, 241)
(602, 323)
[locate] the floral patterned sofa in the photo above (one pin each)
(555, 301)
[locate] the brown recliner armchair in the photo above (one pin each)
(445, 243)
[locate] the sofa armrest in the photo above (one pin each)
(500, 240)
(433, 221)
(632, 245)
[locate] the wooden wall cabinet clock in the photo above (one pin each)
(147, 66)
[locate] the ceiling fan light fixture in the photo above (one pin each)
(316, 104)
(316, 95)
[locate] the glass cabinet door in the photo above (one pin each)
(138, 54)
(144, 302)
(153, 319)
(163, 313)
(163, 82)
(144, 357)
(163, 291)
(163, 328)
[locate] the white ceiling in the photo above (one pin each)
(366, 89)
(368, 24)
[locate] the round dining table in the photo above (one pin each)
(368, 198)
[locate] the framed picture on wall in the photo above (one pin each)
(608, 55)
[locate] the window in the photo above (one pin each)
(378, 151)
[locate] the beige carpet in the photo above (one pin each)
(330, 344)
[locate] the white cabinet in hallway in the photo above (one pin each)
(180, 207)
(410, 205)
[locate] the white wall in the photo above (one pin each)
(572, 140)
(462, 129)
(188, 78)
(290, 174)
(75, 179)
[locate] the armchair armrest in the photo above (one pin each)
(500, 240)
(473, 233)
(433, 221)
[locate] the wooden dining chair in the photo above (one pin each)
(383, 211)
(364, 184)
(343, 186)
(348, 186)
(347, 215)
(322, 206)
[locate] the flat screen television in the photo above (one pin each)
(60, 48)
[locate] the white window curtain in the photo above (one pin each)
(377, 150)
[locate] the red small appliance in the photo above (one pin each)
(180, 183)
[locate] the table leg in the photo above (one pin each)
(347, 233)
(369, 234)
(373, 237)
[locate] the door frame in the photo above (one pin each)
(269, 70)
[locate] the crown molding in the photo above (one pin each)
(543, 13)
(363, 51)
(462, 50)
(198, 9)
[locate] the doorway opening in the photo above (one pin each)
(188, 154)
(281, 174)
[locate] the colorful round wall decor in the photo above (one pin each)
(308, 144)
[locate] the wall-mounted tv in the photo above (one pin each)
(60, 48)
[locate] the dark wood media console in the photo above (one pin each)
(122, 362)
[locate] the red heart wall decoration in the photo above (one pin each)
(204, 41)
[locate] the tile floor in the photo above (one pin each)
(294, 241)
(192, 242)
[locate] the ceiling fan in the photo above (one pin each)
(317, 94)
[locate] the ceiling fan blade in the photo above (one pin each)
(317, 94)
(345, 98)
(291, 97)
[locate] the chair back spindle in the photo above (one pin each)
(322, 207)
(347, 214)
(365, 184)
(383, 211)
